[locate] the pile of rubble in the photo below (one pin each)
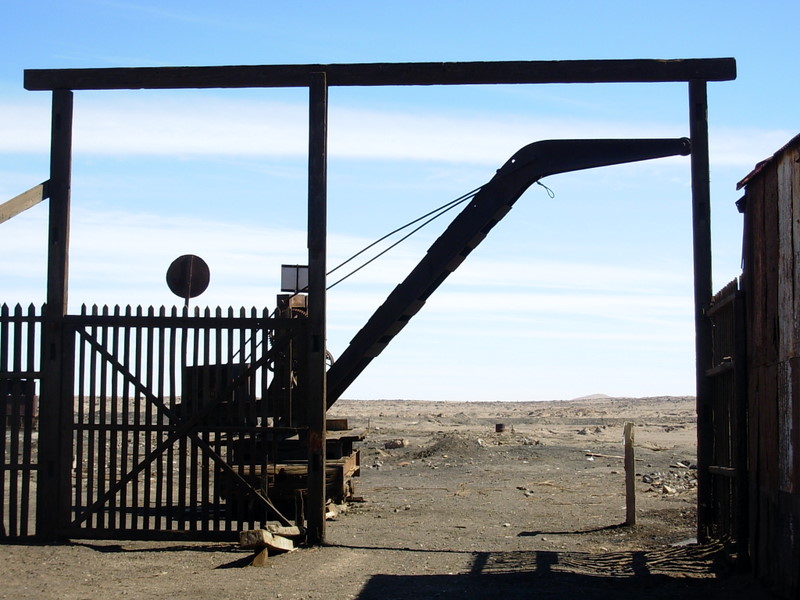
(681, 477)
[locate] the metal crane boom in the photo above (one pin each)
(470, 227)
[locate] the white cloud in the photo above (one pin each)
(203, 124)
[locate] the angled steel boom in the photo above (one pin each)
(471, 226)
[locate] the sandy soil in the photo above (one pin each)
(460, 510)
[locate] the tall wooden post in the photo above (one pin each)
(55, 449)
(703, 291)
(317, 248)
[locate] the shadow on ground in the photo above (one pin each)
(685, 573)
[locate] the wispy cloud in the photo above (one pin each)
(176, 125)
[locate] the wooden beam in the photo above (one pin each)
(701, 243)
(379, 74)
(24, 201)
(55, 406)
(317, 250)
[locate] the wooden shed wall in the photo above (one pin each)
(771, 282)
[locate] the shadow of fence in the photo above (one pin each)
(687, 572)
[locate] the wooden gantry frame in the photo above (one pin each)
(56, 398)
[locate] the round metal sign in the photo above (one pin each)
(188, 276)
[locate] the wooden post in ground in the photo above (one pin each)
(630, 475)
(701, 241)
(55, 406)
(317, 239)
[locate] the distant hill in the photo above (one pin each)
(594, 397)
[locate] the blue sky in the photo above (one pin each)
(587, 292)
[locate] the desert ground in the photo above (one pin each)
(447, 506)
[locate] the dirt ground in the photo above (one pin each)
(458, 510)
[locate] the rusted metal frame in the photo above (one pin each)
(317, 249)
(701, 244)
(55, 446)
(377, 74)
(185, 430)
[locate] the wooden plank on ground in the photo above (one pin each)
(261, 538)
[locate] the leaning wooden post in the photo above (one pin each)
(630, 476)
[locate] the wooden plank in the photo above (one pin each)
(261, 538)
(754, 271)
(372, 74)
(793, 408)
(792, 159)
(786, 313)
(785, 446)
(768, 438)
(23, 202)
(729, 472)
(771, 252)
(113, 418)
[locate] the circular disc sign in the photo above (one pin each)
(188, 276)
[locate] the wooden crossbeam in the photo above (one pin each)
(380, 74)
(23, 202)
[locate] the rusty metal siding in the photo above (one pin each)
(771, 281)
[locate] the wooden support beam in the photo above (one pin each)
(317, 250)
(701, 242)
(379, 74)
(55, 406)
(24, 201)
